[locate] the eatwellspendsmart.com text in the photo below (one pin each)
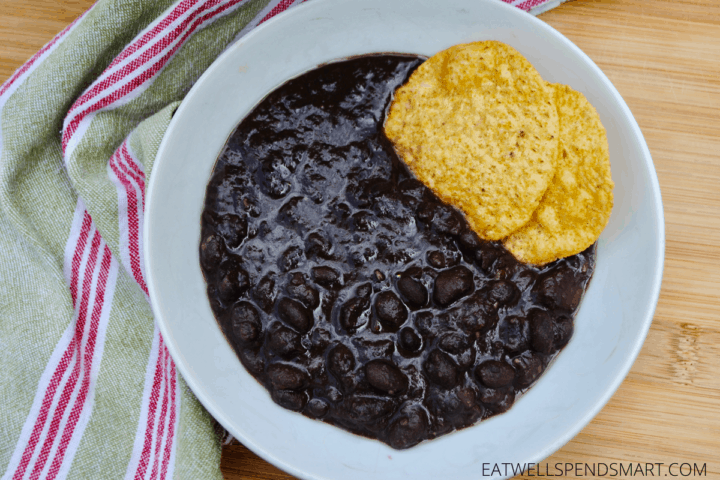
(595, 470)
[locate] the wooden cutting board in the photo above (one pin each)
(664, 58)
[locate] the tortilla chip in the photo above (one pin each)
(478, 125)
(577, 205)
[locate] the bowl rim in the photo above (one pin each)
(173, 347)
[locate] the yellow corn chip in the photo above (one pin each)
(478, 125)
(577, 205)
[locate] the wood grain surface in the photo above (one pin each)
(664, 58)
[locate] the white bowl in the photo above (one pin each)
(614, 316)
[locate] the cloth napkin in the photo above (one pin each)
(88, 389)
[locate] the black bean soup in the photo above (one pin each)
(349, 290)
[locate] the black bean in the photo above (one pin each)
(447, 220)
(245, 322)
(503, 293)
(233, 229)
(409, 340)
(485, 256)
(215, 304)
(424, 323)
(426, 210)
(436, 259)
(495, 373)
(326, 277)
(275, 185)
(340, 360)
(351, 313)
(317, 244)
(413, 188)
(492, 395)
(505, 266)
(290, 259)
(412, 291)
(386, 377)
(444, 403)
(514, 332)
(290, 399)
(367, 409)
(364, 221)
(290, 215)
(264, 292)
(506, 402)
(253, 359)
(408, 429)
(558, 288)
(283, 341)
(211, 251)
(469, 240)
(475, 314)
(361, 254)
(233, 284)
(563, 331)
(466, 358)
(286, 377)
(452, 258)
(528, 368)
(542, 331)
(499, 400)
(317, 408)
(453, 284)
(390, 310)
(467, 397)
(300, 290)
(320, 339)
(441, 369)
(334, 395)
(295, 314)
(453, 342)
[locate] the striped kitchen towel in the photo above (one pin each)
(88, 389)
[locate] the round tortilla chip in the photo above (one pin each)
(577, 205)
(478, 125)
